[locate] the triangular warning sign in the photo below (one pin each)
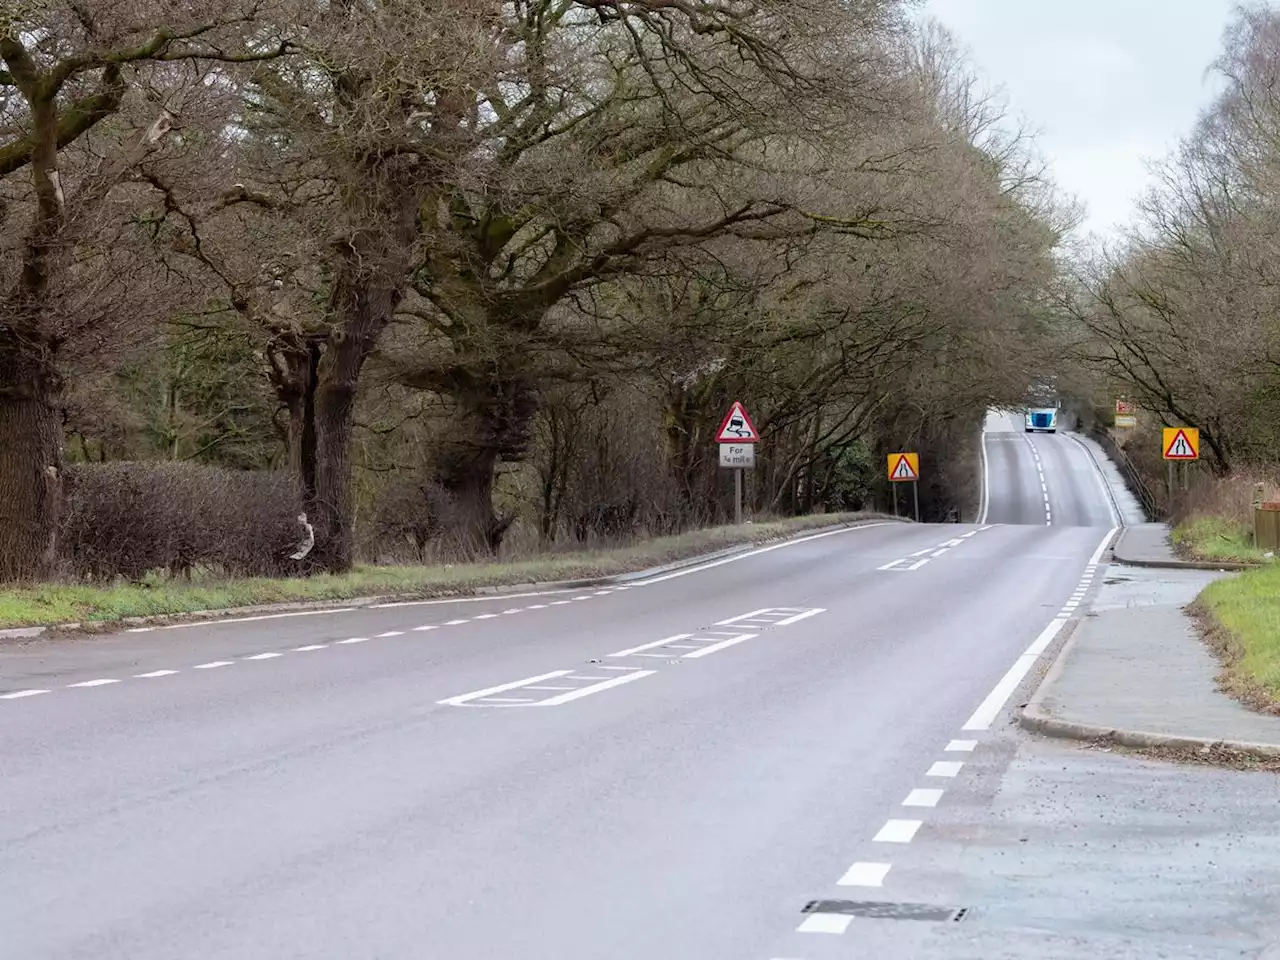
(1180, 448)
(737, 427)
(903, 471)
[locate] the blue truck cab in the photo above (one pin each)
(1041, 418)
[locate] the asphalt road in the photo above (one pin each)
(673, 769)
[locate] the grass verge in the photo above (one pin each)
(48, 604)
(1240, 617)
(1208, 537)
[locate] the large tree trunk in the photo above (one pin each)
(30, 479)
(492, 424)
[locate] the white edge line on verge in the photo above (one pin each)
(265, 616)
(755, 553)
(990, 708)
(985, 505)
(1096, 470)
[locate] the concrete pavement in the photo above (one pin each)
(676, 769)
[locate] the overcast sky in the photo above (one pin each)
(1109, 84)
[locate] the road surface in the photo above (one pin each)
(713, 763)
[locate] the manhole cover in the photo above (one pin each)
(879, 910)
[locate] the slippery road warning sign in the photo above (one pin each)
(737, 427)
(1181, 443)
(904, 467)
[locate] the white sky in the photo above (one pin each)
(1109, 84)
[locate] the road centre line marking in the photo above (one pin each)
(154, 674)
(213, 665)
(456, 623)
(863, 874)
(263, 656)
(923, 798)
(94, 683)
(834, 923)
(487, 616)
(596, 688)
(354, 640)
(897, 831)
(309, 647)
(22, 694)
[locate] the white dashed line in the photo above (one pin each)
(22, 694)
(897, 831)
(962, 746)
(264, 656)
(212, 665)
(154, 674)
(455, 623)
(836, 923)
(945, 768)
(922, 798)
(93, 683)
(863, 874)
(350, 640)
(483, 616)
(394, 633)
(426, 627)
(309, 647)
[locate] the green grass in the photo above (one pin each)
(1242, 616)
(64, 603)
(1207, 537)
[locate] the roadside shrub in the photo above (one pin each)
(130, 519)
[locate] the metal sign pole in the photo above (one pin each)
(915, 491)
(737, 496)
(895, 497)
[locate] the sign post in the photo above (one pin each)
(737, 437)
(905, 468)
(1126, 416)
(1180, 445)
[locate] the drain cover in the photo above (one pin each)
(880, 910)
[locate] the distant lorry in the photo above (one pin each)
(1041, 418)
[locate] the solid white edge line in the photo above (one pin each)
(475, 695)
(755, 553)
(985, 505)
(990, 708)
(1107, 497)
(595, 688)
(495, 598)
(265, 616)
(864, 874)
